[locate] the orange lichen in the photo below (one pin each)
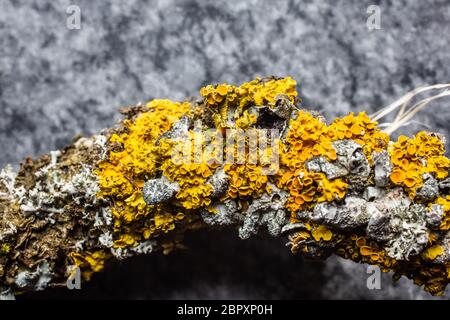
(359, 249)
(308, 188)
(246, 180)
(225, 98)
(261, 93)
(433, 252)
(413, 157)
(306, 139)
(122, 175)
(360, 129)
(89, 262)
(321, 233)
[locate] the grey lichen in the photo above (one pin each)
(350, 155)
(6, 294)
(429, 190)
(435, 216)
(445, 183)
(399, 223)
(179, 130)
(7, 180)
(351, 163)
(332, 170)
(350, 215)
(159, 190)
(388, 217)
(225, 214)
(382, 168)
(291, 228)
(267, 211)
(35, 280)
(219, 183)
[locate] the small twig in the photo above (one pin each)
(405, 114)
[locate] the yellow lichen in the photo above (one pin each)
(261, 93)
(5, 248)
(321, 233)
(308, 188)
(360, 129)
(89, 262)
(132, 162)
(246, 120)
(308, 137)
(413, 157)
(445, 203)
(433, 252)
(245, 180)
(225, 98)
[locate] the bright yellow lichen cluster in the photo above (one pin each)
(321, 233)
(247, 174)
(413, 157)
(219, 94)
(89, 262)
(262, 93)
(246, 180)
(256, 92)
(308, 188)
(433, 252)
(191, 177)
(361, 130)
(190, 166)
(134, 159)
(309, 137)
(163, 221)
(226, 99)
(359, 249)
(246, 120)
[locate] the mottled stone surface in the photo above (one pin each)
(55, 83)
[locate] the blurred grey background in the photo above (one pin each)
(56, 83)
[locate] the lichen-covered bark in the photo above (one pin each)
(330, 188)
